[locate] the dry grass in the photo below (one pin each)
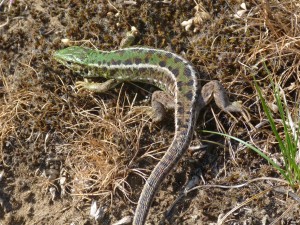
(20, 113)
(109, 149)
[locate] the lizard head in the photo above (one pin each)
(72, 57)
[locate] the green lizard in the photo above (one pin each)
(174, 75)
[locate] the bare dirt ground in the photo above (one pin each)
(61, 148)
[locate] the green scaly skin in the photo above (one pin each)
(166, 70)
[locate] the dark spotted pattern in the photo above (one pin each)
(178, 60)
(187, 72)
(189, 95)
(179, 84)
(162, 63)
(190, 83)
(180, 110)
(147, 59)
(175, 72)
(169, 55)
(137, 61)
(128, 62)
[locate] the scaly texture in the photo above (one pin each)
(164, 69)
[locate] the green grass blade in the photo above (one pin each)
(275, 165)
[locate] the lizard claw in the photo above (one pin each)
(81, 85)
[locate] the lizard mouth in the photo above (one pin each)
(63, 61)
(58, 58)
(72, 66)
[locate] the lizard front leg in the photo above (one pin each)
(96, 87)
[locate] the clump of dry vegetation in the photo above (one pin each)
(116, 139)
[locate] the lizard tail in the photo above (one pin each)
(178, 147)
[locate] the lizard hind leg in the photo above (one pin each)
(214, 89)
(161, 102)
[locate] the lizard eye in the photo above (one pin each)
(68, 64)
(85, 71)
